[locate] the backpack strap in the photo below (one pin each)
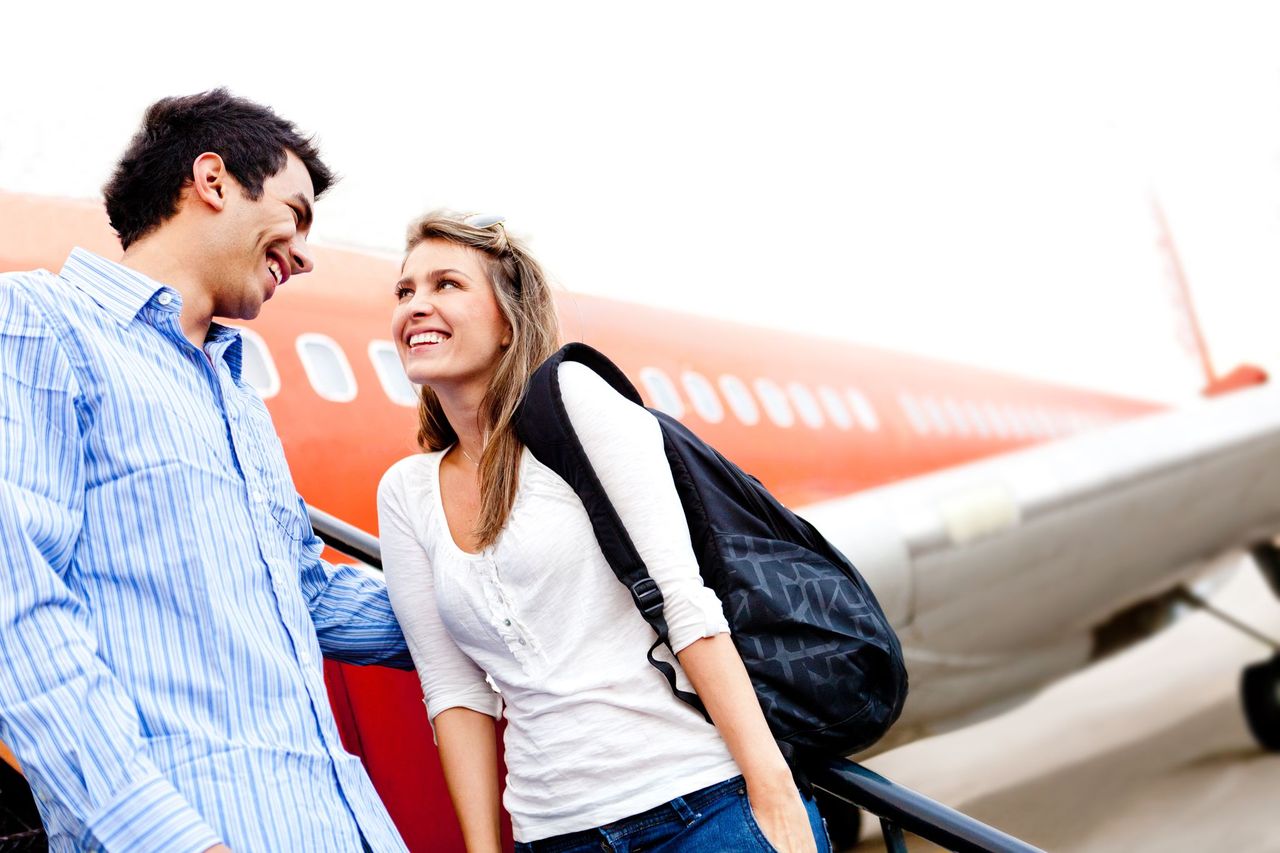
(543, 425)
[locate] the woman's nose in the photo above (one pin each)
(422, 304)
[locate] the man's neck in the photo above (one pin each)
(163, 263)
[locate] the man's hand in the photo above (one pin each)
(218, 848)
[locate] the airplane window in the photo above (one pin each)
(862, 408)
(835, 407)
(913, 412)
(1019, 425)
(256, 366)
(386, 363)
(956, 415)
(934, 413)
(806, 405)
(996, 419)
(703, 395)
(976, 418)
(1035, 422)
(662, 391)
(740, 399)
(1048, 426)
(327, 367)
(775, 403)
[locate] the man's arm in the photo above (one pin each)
(70, 722)
(351, 612)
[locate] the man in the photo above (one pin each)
(163, 607)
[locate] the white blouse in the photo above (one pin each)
(593, 733)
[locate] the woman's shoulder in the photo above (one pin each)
(596, 408)
(577, 380)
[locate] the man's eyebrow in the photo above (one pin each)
(305, 204)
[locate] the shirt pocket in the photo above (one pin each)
(291, 516)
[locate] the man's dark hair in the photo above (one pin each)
(251, 139)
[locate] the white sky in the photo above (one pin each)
(966, 180)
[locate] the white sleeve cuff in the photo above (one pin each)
(693, 616)
(488, 703)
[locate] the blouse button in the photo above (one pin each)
(506, 622)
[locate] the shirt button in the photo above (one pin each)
(258, 497)
(522, 642)
(506, 622)
(164, 298)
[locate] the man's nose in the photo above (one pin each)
(300, 258)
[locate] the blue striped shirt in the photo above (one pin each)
(163, 606)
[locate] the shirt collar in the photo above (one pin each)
(122, 292)
(119, 290)
(230, 343)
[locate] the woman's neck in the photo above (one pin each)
(462, 408)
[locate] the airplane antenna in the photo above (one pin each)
(1191, 335)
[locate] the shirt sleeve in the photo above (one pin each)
(351, 612)
(449, 678)
(624, 444)
(71, 724)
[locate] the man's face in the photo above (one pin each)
(259, 244)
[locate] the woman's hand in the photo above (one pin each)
(715, 668)
(782, 817)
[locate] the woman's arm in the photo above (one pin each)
(468, 745)
(624, 444)
(460, 704)
(715, 669)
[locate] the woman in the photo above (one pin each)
(495, 575)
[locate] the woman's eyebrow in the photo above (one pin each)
(408, 279)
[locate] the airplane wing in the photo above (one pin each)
(997, 573)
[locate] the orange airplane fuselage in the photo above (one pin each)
(814, 419)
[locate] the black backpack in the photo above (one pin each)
(826, 665)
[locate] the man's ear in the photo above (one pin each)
(210, 180)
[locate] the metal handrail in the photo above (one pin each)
(344, 537)
(897, 807)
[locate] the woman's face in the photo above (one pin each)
(447, 325)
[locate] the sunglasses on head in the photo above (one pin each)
(484, 220)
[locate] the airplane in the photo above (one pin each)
(1013, 530)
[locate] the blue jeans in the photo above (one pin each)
(712, 820)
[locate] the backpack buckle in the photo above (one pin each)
(647, 597)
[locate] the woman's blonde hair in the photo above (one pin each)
(524, 298)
